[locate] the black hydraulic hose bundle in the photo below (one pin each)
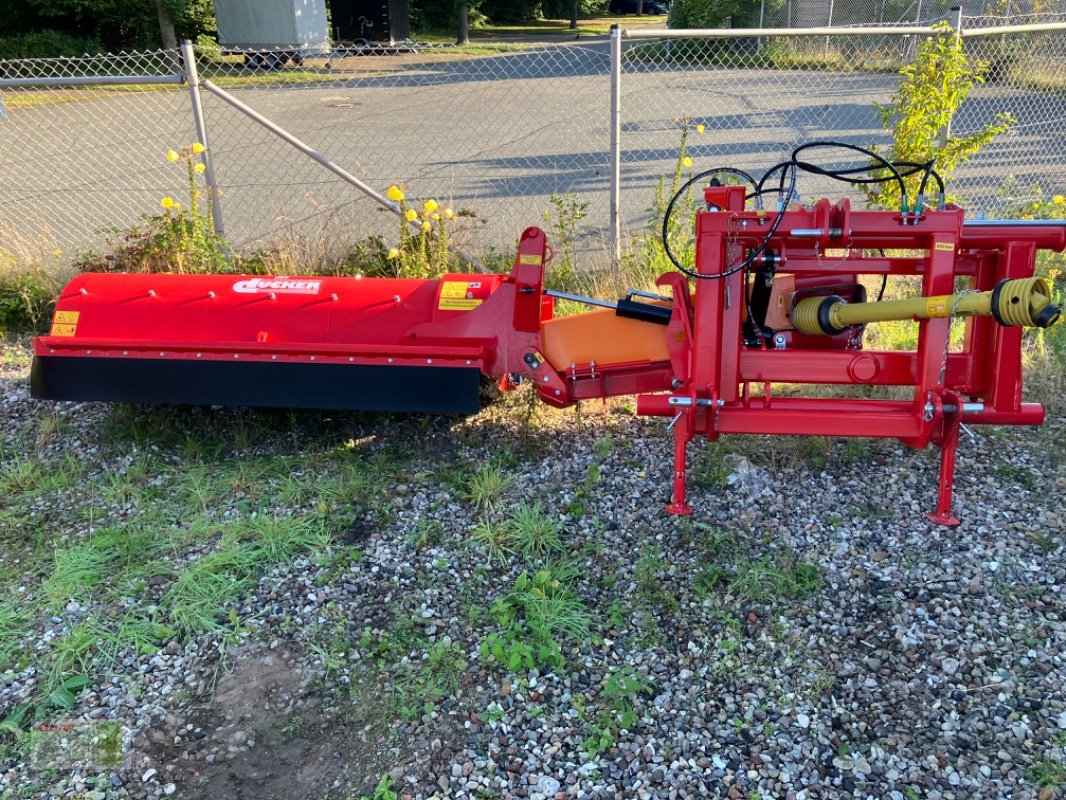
(892, 171)
(789, 170)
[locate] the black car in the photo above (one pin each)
(630, 7)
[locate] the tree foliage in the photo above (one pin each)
(115, 24)
(703, 13)
(442, 14)
(508, 11)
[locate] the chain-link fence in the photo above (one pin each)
(840, 13)
(82, 147)
(746, 103)
(493, 132)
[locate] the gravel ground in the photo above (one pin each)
(806, 634)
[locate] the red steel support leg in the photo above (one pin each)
(948, 447)
(679, 505)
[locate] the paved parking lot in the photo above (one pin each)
(495, 136)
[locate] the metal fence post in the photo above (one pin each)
(192, 77)
(956, 23)
(616, 147)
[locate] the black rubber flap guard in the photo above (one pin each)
(440, 390)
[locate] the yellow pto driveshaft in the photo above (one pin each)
(1025, 301)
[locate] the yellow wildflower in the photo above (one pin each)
(167, 202)
(436, 216)
(198, 148)
(426, 226)
(431, 206)
(393, 254)
(448, 213)
(200, 168)
(395, 194)
(687, 161)
(172, 155)
(57, 253)
(412, 215)
(701, 128)
(1059, 200)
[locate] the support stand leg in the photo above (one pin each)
(679, 505)
(948, 448)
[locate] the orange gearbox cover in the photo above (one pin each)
(603, 337)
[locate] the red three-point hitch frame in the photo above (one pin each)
(727, 385)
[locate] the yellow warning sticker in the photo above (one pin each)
(947, 246)
(453, 289)
(64, 323)
(458, 303)
(936, 307)
(528, 258)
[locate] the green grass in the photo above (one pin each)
(13, 628)
(200, 487)
(280, 540)
(493, 537)
(485, 489)
(20, 475)
(236, 76)
(197, 600)
(762, 581)
(1016, 474)
(116, 562)
(653, 587)
(711, 471)
(533, 533)
(73, 652)
(417, 686)
(227, 76)
(23, 478)
(14, 358)
(735, 569)
(77, 570)
(1048, 772)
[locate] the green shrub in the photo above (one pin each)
(539, 612)
(931, 90)
(560, 9)
(47, 44)
(208, 48)
(702, 13)
(502, 12)
(27, 298)
(427, 15)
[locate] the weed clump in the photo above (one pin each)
(181, 239)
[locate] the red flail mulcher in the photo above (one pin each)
(773, 303)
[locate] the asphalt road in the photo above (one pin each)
(494, 136)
